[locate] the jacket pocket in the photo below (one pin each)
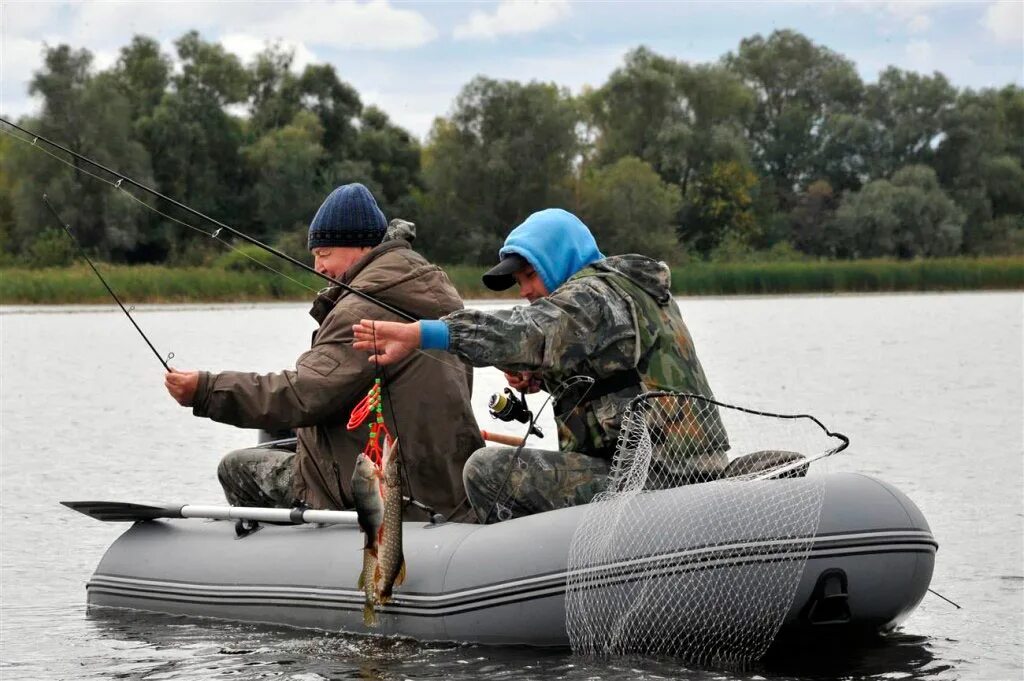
(320, 363)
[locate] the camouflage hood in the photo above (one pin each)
(653, 276)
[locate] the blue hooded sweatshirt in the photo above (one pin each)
(554, 241)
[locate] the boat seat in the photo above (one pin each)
(763, 461)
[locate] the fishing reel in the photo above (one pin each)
(507, 407)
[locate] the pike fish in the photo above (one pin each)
(390, 571)
(366, 491)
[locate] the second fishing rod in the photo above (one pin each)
(220, 225)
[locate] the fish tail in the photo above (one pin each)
(369, 615)
(384, 594)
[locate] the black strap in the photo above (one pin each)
(584, 394)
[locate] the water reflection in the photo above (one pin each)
(157, 646)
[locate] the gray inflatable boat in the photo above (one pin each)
(868, 566)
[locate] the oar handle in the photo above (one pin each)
(501, 438)
(269, 515)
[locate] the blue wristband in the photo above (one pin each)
(433, 334)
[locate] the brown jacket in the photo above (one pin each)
(426, 401)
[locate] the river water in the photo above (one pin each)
(928, 387)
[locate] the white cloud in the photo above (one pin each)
(913, 16)
(1005, 20)
(347, 25)
(920, 56)
(19, 57)
(512, 16)
(248, 46)
(28, 17)
(919, 23)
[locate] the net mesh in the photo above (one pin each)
(696, 547)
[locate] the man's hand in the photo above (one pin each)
(523, 381)
(182, 385)
(387, 342)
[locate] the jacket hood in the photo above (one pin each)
(653, 276)
(556, 243)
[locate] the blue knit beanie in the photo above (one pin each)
(349, 217)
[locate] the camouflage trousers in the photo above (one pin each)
(258, 476)
(501, 486)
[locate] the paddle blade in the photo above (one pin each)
(122, 511)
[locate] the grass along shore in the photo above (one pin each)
(158, 284)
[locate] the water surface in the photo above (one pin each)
(928, 387)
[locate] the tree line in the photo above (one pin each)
(778, 150)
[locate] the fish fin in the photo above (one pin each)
(362, 581)
(369, 615)
(400, 579)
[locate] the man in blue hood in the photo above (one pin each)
(598, 331)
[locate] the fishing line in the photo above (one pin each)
(220, 225)
(945, 599)
(106, 285)
(213, 235)
(117, 185)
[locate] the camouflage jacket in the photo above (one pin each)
(612, 319)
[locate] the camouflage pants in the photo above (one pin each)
(501, 486)
(259, 476)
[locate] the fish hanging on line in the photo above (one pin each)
(390, 571)
(366, 491)
(377, 490)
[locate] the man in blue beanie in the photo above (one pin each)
(598, 332)
(352, 242)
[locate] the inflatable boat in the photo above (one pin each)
(867, 565)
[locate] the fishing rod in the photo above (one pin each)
(121, 178)
(105, 284)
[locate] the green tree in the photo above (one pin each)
(980, 162)
(195, 145)
(799, 86)
(907, 111)
(677, 117)
(811, 217)
(335, 103)
(719, 204)
(143, 74)
(393, 156)
(275, 93)
(506, 151)
(630, 209)
(908, 216)
(89, 114)
(285, 163)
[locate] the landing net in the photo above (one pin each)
(707, 573)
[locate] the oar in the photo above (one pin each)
(123, 511)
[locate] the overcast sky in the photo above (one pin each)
(411, 58)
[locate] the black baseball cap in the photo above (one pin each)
(499, 277)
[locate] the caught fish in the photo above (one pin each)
(390, 570)
(366, 491)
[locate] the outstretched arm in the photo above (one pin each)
(564, 330)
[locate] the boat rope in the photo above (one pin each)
(124, 179)
(113, 295)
